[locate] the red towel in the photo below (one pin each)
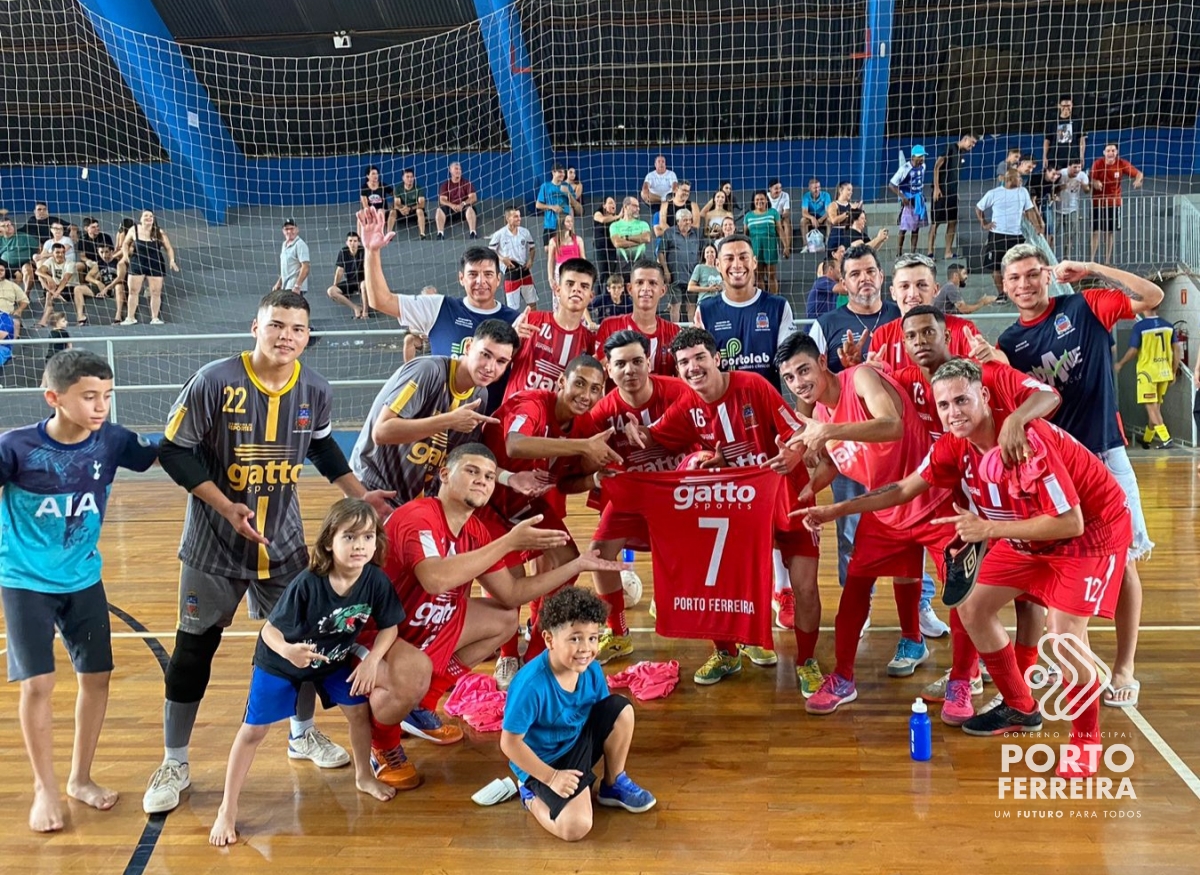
(647, 680)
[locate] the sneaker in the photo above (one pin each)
(759, 655)
(474, 235)
(809, 677)
(427, 725)
(157, 322)
(993, 703)
(129, 320)
(527, 795)
(162, 793)
(931, 624)
(613, 646)
(718, 667)
(909, 654)
(315, 745)
(834, 692)
(984, 673)
(653, 609)
(958, 708)
(866, 626)
(784, 604)
(441, 236)
(625, 794)
(1003, 719)
(506, 669)
(393, 768)
(936, 691)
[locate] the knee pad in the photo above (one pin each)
(191, 665)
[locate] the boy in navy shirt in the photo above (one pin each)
(56, 476)
(560, 721)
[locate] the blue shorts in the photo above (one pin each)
(273, 698)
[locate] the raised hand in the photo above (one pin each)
(850, 352)
(981, 350)
(596, 451)
(524, 329)
(1070, 271)
(372, 229)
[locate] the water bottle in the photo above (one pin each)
(920, 733)
(627, 557)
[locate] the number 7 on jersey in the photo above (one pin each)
(721, 526)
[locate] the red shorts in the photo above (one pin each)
(437, 641)
(1085, 586)
(515, 285)
(618, 525)
(791, 538)
(498, 527)
(881, 550)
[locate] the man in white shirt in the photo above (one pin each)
(293, 261)
(1070, 217)
(1008, 203)
(781, 202)
(57, 236)
(514, 245)
(659, 183)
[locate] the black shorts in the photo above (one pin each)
(349, 288)
(410, 217)
(81, 617)
(1106, 219)
(997, 245)
(548, 235)
(584, 754)
(452, 216)
(944, 209)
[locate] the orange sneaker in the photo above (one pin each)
(427, 725)
(393, 768)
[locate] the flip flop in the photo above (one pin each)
(1111, 693)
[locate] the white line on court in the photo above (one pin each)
(1178, 765)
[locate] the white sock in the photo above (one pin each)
(179, 754)
(782, 581)
(299, 727)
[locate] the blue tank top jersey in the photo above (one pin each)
(455, 323)
(748, 334)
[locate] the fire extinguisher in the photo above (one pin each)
(1180, 329)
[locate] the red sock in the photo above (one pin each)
(965, 664)
(438, 685)
(1026, 658)
(908, 605)
(853, 609)
(384, 737)
(1003, 667)
(455, 669)
(730, 647)
(509, 647)
(806, 644)
(616, 612)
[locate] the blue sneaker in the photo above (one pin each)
(427, 725)
(625, 794)
(909, 654)
(526, 795)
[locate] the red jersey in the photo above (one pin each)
(1007, 387)
(1073, 477)
(889, 338)
(1109, 177)
(661, 360)
(418, 531)
(530, 413)
(877, 464)
(710, 544)
(541, 359)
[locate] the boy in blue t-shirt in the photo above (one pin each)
(56, 476)
(560, 721)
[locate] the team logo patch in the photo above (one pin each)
(1062, 325)
(748, 417)
(761, 323)
(191, 605)
(304, 418)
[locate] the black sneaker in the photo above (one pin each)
(474, 236)
(1001, 719)
(962, 569)
(1159, 444)
(441, 236)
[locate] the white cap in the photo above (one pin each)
(919, 707)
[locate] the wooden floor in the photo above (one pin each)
(746, 781)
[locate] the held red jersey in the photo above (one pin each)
(662, 362)
(711, 535)
(541, 359)
(1072, 477)
(1007, 387)
(418, 531)
(530, 413)
(889, 339)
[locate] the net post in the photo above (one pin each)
(110, 354)
(872, 127)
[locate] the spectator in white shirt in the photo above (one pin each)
(515, 247)
(1008, 203)
(659, 183)
(1070, 217)
(294, 261)
(781, 202)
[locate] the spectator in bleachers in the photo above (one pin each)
(576, 184)
(1025, 167)
(679, 255)
(604, 254)
(1106, 176)
(781, 202)
(13, 299)
(1065, 140)
(714, 213)
(149, 252)
(629, 234)
(679, 201)
(616, 303)
(728, 226)
(38, 225)
(58, 237)
(104, 275)
(1069, 208)
(949, 298)
(55, 275)
(944, 209)
(565, 244)
(409, 202)
(814, 209)
(908, 183)
(555, 199)
(856, 232)
(1011, 159)
(377, 196)
(59, 333)
(731, 203)
(823, 296)
(17, 250)
(88, 247)
(1008, 203)
(706, 279)
(514, 246)
(295, 262)
(1043, 190)
(765, 230)
(456, 201)
(659, 183)
(347, 277)
(839, 210)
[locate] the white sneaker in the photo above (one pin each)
(157, 322)
(936, 691)
(995, 702)
(315, 745)
(931, 625)
(506, 669)
(162, 793)
(129, 320)
(866, 626)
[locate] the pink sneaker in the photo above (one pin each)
(958, 708)
(834, 692)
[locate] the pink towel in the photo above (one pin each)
(477, 700)
(1027, 473)
(647, 680)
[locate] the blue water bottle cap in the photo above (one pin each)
(626, 555)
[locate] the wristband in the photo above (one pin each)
(503, 477)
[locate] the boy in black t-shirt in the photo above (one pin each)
(348, 275)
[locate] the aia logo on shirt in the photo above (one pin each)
(1062, 325)
(709, 495)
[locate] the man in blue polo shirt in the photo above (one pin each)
(555, 199)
